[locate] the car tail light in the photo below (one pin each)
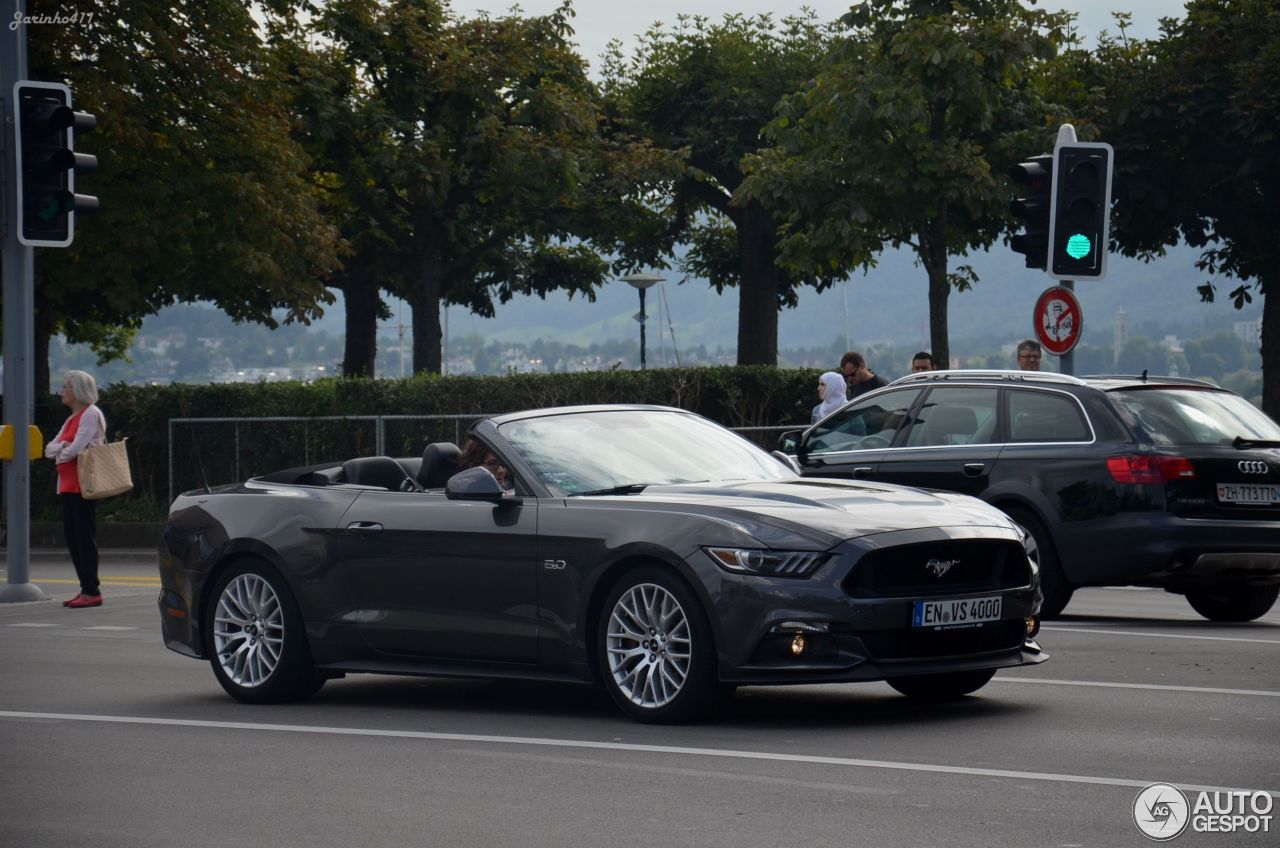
(1150, 468)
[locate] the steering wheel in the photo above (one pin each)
(873, 442)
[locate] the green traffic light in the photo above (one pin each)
(1078, 246)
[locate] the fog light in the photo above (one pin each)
(1033, 626)
(797, 644)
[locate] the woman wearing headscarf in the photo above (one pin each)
(831, 388)
(85, 427)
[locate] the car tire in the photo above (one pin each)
(655, 650)
(942, 687)
(255, 639)
(1053, 583)
(1233, 603)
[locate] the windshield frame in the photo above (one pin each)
(563, 470)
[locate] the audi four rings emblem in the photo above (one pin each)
(1252, 466)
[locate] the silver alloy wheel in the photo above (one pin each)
(649, 645)
(248, 630)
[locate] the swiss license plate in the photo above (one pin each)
(956, 613)
(1248, 493)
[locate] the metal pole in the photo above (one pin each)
(643, 318)
(170, 461)
(1067, 362)
(19, 327)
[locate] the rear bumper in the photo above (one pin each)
(1158, 549)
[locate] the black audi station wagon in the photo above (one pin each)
(1147, 481)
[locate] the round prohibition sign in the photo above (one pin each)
(1058, 320)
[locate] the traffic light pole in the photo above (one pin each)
(1067, 362)
(19, 327)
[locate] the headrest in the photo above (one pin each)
(958, 420)
(374, 471)
(439, 463)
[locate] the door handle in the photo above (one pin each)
(364, 527)
(861, 472)
(973, 469)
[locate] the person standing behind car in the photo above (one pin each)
(922, 361)
(86, 427)
(1029, 355)
(858, 376)
(831, 393)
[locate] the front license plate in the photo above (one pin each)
(1248, 493)
(957, 613)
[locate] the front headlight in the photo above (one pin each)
(770, 563)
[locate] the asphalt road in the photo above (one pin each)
(108, 739)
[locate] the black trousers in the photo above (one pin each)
(80, 526)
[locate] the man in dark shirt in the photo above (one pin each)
(858, 376)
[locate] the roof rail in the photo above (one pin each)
(1181, 381)
(1011, 375)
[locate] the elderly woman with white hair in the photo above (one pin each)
(84, 428)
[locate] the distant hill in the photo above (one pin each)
(889, 304)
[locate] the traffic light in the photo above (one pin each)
(1037, 175)
(47, 163)
(1080, 222)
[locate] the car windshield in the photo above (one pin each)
(608, 449)
(1196, 416)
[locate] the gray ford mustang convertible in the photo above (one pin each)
(643, 548)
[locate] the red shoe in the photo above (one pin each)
(81, 601)
(69, 601)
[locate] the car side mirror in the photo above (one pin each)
(787, 460)
(791, 444)
(474, 484)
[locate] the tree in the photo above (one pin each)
(904, 137)
(485, 142)
(703, 92)
(1195, 120)
(204, 192)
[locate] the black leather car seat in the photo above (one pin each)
(375, 471)
(439, 463)
(950, 425)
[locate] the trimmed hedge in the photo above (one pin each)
(750, 396)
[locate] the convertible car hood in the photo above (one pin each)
(837, 509)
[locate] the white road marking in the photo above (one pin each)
(108, 627)
(620, 746)
(30, 624)
(1163, 635)
(1154, 686)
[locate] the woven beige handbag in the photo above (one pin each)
(104, 470)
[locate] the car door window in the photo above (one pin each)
(955, 416)
(865, 425)
(1045, 417)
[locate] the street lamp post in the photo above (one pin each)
(642, 282)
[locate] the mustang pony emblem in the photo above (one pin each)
(940, 567)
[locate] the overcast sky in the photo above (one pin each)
(599, 21)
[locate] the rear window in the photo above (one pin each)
(1195, 416)
(1044, 417)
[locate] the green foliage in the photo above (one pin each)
(703, 91)
(1195, 119)
(903, 138)
(203, 189)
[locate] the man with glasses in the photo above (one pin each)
(1029, 355)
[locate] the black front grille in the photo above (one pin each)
(923, 643)
(939, 569)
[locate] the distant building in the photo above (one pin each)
(1250, 332)
(1120, 334)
